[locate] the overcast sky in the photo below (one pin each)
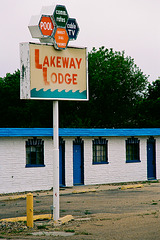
(129, 25)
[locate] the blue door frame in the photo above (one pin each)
(151, 159)
(61, 163)
(78, 162)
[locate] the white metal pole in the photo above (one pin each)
(55, 161)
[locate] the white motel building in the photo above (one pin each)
(86, 157)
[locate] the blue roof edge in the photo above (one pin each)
(81, 132)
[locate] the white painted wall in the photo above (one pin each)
(68, 162)
(117, 170)
(15, 177)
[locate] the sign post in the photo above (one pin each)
(55, 161)
(54, 75)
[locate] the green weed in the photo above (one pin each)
(62, 210)
(87, 212)
(69, 230)
(42, 227)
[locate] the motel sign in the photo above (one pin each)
(72, 28)
(46, 26)
(49, 74)
(54, 26)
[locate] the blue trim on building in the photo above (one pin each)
(81, 132)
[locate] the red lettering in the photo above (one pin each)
(52, 63)
(46, 61)
(37, 65)
(60, 78)
(45, 76)
(67, 78)
(54, 78)
(74, 78)
(72, 63)
(59, 62)
(65, 62)
(78, 62)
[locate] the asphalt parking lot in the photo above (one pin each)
(100, 212)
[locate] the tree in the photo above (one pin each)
(9, 105)
(21, 113)
(149, 107)
(115, 85)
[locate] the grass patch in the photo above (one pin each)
(62, 210)
(104, 219)
(43, 211)
(83, 233)
(77, 210)
(70, 230)
(87, 212)
(16, 231)
(154, 203)
(42, 227)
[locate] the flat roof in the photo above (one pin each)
(81, 132)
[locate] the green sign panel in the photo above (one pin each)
(60, 16)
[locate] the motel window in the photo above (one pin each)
(35, 153)
(132, 150)
(100, 151)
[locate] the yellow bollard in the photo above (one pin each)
(30, 210)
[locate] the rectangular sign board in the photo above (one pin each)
(51, 74)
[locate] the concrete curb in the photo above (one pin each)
(23, 219)
(14, 197)
(64, 219)
(124, 187)
(83, 191)
(60, 221)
